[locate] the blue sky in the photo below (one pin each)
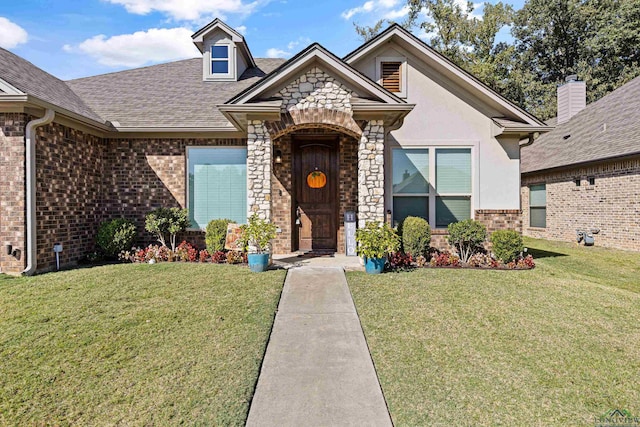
(76, 38)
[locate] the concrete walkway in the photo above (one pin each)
(317, 370)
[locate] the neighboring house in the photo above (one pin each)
(585, 174)
(228, 135)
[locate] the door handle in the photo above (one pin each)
(298, 215)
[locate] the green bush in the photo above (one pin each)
(216, 234)
(115, 236)
(507, 245)
(416, 236)
(167, 221)
(466, 237)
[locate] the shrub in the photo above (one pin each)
(216, 234)
(445, 259)
(204, 255)
(167, 221)
(186, 253)
(526, 262)
(234, 257)
(416, 236)
(507, 245)
(258, 234)
(421, 261)
(400, 261)
(480, 260)
(219, 257)
(376, 241)
(467, 237)
(116, 236)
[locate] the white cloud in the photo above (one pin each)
(242, 29)
(291, 48)
(140, 48)
(190, 10)
(11, 34)
(388, 9)
(276, 53)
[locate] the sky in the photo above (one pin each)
(78, 38)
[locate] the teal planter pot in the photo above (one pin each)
(374, 265)
(258, 262)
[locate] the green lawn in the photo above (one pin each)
(134, 344)
(557, 345)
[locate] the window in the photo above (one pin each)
(391, 78)
(219, 59)
(391, 74)
(217, 186)
(538, 205)
(577, 181)
(592, 180)
(415, 171)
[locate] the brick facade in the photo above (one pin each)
(611, 205)
(12, 191)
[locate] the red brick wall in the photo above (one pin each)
(612, 204)
(12, 190)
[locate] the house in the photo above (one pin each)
(228, 135)
(585, 174)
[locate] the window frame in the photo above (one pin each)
(208, 73)
(403, 72)
(188, 167)
(227, 59)
(538, 206)
(433, 193)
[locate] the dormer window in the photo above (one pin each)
(391, 74)
(220, 60)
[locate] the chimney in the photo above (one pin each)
(572, 98)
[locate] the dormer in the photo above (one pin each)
(225, 54)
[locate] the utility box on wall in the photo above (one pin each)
(350, 233)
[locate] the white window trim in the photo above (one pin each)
(186, 175)
(403, 72)
(433, 194)
(208, 75)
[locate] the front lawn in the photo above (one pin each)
(134, 344)
(557, 345)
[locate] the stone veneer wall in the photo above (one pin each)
(371, 173)
(69, 193)
(282, 186)
(612, 204)
(316, 89)
(258, 170)
(12, 193)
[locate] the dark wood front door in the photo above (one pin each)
(316, 185)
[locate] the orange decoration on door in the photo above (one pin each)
(316, 179)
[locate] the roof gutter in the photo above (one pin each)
(30, 142)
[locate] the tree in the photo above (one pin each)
(167, 221)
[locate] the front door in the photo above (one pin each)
(316, 197)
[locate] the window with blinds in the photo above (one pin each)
(217, 184)
(391, 76)
(538, 205)
(434, 184)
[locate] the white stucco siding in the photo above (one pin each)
(445, 115)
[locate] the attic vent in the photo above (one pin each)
(391, 76)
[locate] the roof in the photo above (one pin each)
(171, 95)
(442, 63)
(605, 129)
(31, 80)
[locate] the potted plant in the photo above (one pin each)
(375, 242)
(257, 236)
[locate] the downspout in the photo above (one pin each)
(30, 143)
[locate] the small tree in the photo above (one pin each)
(466, 237)
(258, 234)
(416, 236)
(507, 245)
(167, 221)
(375, 241)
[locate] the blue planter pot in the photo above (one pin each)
(374, 265)
(258, 262)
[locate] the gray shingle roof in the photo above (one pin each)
(31, 80)
(166, 95)
(607, 128)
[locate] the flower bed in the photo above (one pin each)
(437, 259)
(185, 252)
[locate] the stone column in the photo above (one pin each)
(371, 174)
(258, 170)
